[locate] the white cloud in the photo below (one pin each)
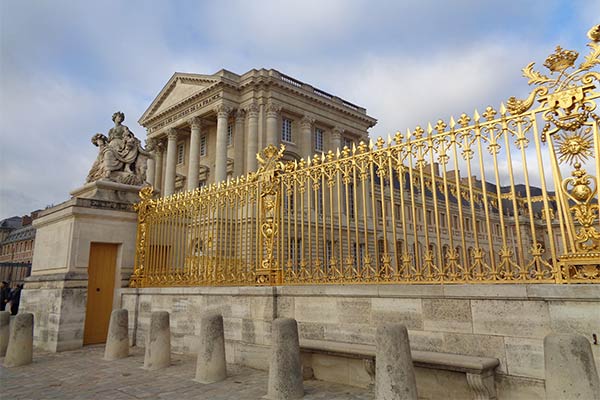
(67, 66)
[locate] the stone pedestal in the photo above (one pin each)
(158, 342)
(395, 375)
(20, 344)
(4, 331)
(211, 366)
(56, 291)
(117, 341)
(570, 368)
(285, 369)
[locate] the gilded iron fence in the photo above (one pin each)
(505, 196)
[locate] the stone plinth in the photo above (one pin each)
(158, 342)
(285, 370)
(4, 331)
(56, 291)
(570, 369)
(117, 341)
(20, 344)
(395, 374)
(211, 366)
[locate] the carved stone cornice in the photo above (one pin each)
(252, 110)
(273, 109)
(172, 134)
(195, 122)
(307, 122)
(223, 111)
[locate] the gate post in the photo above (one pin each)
(142, 208)
(269, 272)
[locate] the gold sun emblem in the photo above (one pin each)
(575, 147)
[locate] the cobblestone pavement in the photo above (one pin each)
(83, 374)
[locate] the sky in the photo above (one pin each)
(66, 66)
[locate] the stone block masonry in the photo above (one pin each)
(351, 314)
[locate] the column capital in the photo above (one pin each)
(252, 110)
(195, 122)
(307, 121)
(223, 111)
(240, 113)
(172, 134)
(273, 109)
(337, 132)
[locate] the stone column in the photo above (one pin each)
(273, 114)
(570, 368)
(336, 138)
(238, 143)
(20, 343)
(285, 371)
(4, 331)
(158, 174)
(151, 170)
(158, 342)
(252, 141)
(194, 165)
(305, 140)
(221, 147)
(394, 371)
(211, 366)
(171, 162)
(117, 340)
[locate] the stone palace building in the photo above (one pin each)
(208, 128)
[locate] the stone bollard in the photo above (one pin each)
(211, 366)
(20, 343)
(570, 368)
(285, 370)
(394, 371)
(117, 341)
(158, 342)
(4, 331)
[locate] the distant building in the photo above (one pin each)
(16, 247)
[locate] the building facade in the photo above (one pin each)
(204, 129)
(16, 248)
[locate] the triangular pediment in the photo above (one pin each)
(179, 88)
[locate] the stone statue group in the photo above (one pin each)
(121, 157)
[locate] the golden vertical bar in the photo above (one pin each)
(520, 258)
(440, 259)
(377, 258)
(461, 221)
(393, 208)
(545, 196)
(382, 153)
(413, 207)
(485, 197)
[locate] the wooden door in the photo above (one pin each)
(101, 285)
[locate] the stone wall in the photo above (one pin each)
(507, 322)
(58, 304)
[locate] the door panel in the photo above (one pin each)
(101, 285)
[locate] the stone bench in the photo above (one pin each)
(479, 370)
